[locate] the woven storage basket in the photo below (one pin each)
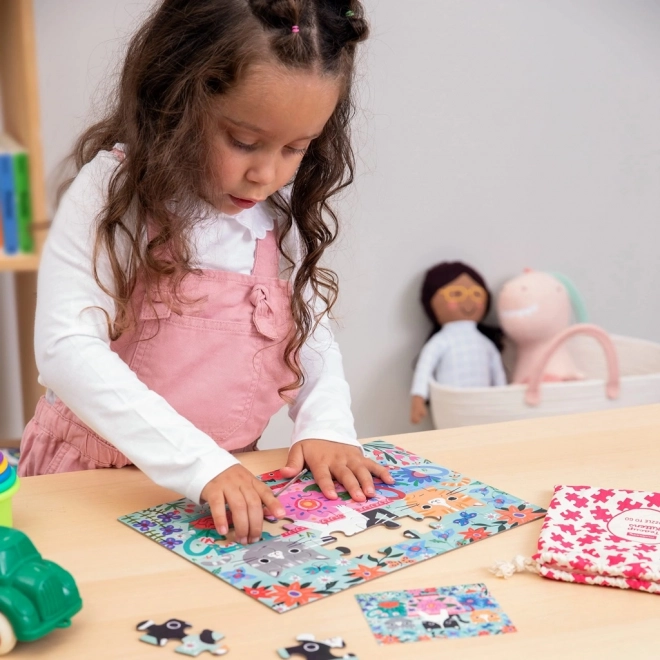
(638, 383)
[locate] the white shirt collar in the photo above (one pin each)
(257, 220)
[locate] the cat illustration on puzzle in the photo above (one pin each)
(279, 554)
(275, 554)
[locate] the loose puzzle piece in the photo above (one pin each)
(160, 634)
(310, 649)
(207, 640)
(422, 614)
(295, 567)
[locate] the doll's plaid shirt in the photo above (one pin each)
(459, 355)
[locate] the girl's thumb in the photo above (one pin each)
(294, 462)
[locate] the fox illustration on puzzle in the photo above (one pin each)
(300, 564)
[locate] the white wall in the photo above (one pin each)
(79, 46)
(507, 133)
(11, 396)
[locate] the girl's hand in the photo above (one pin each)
(417, 409)
(246, 497)
(345, 463)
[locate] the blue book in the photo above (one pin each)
(8, 149)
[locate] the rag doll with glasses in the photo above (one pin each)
(461, 351)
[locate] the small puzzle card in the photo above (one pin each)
(297, 566)
(465, 610)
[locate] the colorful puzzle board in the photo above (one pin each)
(464, 610)
(294, 568)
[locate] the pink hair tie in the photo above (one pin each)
(295, 29)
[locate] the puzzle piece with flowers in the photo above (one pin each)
(294, 567)
(464, 610)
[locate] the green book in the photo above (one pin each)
(23, 202)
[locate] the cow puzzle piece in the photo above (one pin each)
(441, 620)
(160, 634)
(310, 649)
(207, 640)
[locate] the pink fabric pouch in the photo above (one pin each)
(598, 536)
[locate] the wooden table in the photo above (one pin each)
(125, 578)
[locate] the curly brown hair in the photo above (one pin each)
(184, 55)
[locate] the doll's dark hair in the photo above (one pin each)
(186, 54)
(441, 275)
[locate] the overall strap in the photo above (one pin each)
(267, 255)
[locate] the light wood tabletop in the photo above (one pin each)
(125, 578)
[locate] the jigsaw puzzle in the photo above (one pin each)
(160, 634)
(295, 567)
(310, 649)
(422, 614)
(206, 641)
(193, 645)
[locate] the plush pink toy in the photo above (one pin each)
(533, 309)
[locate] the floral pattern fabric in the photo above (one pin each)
(602, 536)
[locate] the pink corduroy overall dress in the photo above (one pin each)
(218, 361)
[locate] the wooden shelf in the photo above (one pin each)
(22, 263)
(20, 105)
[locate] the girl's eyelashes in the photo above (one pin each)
(298, 152)
(252, 147)
(242, 145)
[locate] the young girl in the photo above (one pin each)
(180, 298)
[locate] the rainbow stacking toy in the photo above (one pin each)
(9, 483)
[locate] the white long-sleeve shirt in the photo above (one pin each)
(76, 363)
(459, 355)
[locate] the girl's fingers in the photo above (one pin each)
(380, 471)
(255, 513)
(347, 479)
(365, 479)
(324, 481)
(239, 513)
(294, 462)
(219, 513)
(270, 501)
